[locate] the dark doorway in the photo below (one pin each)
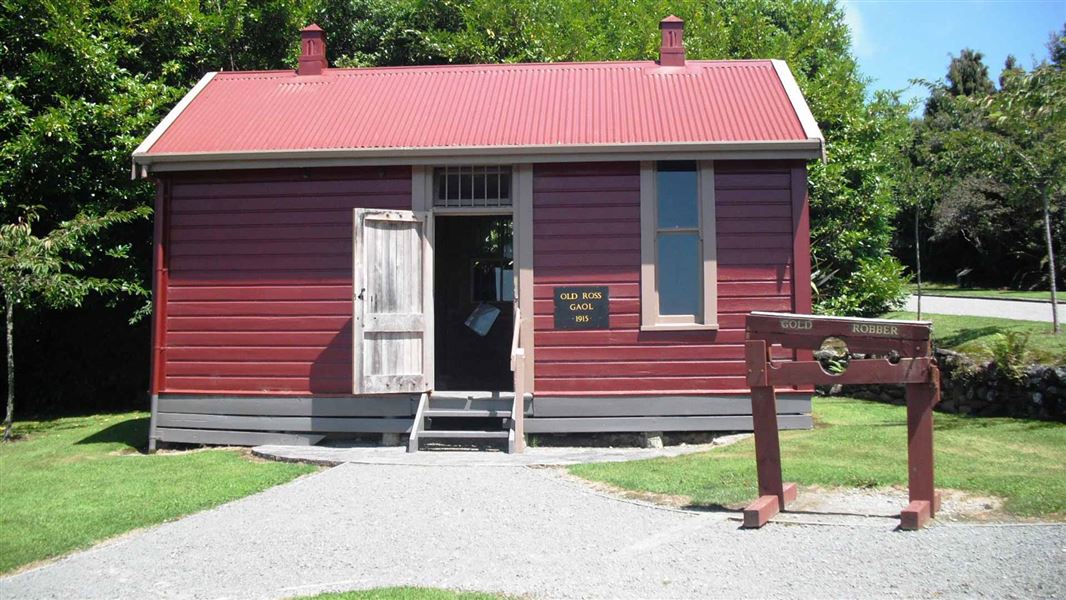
(473, 267)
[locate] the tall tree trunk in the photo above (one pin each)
(1050, 258)
(9, 310)
(918, 257)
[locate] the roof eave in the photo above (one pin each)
(799, 104)
(146, 145)
(763, 150)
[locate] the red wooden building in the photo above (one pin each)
(406, 250)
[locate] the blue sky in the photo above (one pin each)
(898, 40)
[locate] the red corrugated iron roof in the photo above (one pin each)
(544, 105)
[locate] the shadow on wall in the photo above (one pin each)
(331, 371)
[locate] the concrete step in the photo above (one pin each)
(466, 412)
(461, 435)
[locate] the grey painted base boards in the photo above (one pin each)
(640, 424)
(255, 420)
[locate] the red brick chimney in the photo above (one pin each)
(312, 50)
(672, 52)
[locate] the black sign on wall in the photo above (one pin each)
(583, 307)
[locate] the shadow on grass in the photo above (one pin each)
(967, 335)
(131, 432)
(973, 422)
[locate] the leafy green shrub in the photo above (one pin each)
(874, 287)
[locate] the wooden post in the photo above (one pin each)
(924, 500)
(773, 493)
(518, 406)
(767, 442)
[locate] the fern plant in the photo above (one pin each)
(1010, 353)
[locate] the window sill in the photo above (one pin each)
(679, 327)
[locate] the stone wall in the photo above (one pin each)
(974, 388)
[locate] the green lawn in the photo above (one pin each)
(950, 289)
(404, 593)
(973, 334)
(74, 481)
(864, 444)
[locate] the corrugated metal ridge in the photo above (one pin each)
(499, 67)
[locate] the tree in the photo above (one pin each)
(1010, 65)
(968, 75)
(853, 207)
(363, 33)
(970, 197)
(82, 82)
(1056, 47)
(1027, 140)
(49, 271)
(993, 169)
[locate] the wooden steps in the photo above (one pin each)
(462, 434)
(462, 418)
(467, 413)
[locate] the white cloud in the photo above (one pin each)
(860, 38)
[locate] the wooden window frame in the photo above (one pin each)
(486, 201)
(707, 317)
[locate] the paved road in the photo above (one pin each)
(523, 530)
(979, 307)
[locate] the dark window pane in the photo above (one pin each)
(679, 271)
(453, 186)
(678, 194)
(505, 184)
(479, 186)
(466, 183)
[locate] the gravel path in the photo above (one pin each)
(358, 526)
(980, 307)
(534, 456)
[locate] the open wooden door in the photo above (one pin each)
(392, 331)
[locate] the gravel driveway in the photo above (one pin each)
(983, 307)
(532, 531)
